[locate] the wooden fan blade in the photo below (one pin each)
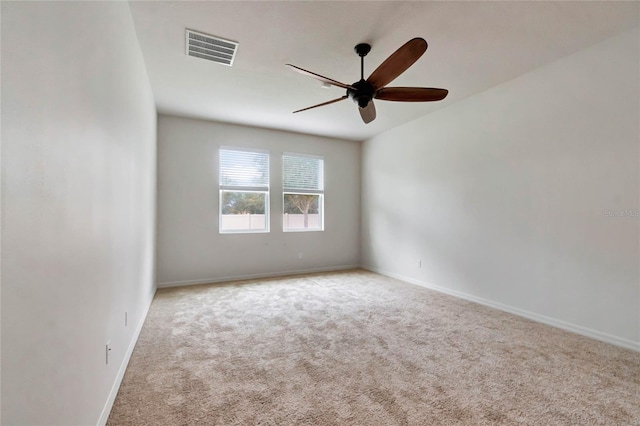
(322, 104)
(320, 77)
(398, 62)
(368, 113)
(411, 94)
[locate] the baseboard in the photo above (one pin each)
(255, 276)
(104, 416)
(587, 332)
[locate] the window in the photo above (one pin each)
(244, 190)
(302, 192)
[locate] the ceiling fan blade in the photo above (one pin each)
(398, 62)
(411, 94)
(368, 113)
(322, 104)
(319, 77)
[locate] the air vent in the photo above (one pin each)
(211, 48)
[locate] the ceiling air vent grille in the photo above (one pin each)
(211, 48)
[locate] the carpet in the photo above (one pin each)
(358, 348)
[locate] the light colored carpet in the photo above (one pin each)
(357, 348)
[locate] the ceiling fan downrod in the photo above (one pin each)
(362, 50)
(364, 91)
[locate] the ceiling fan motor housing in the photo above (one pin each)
(363, 93)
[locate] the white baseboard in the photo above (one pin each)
(104, 416)
(255, 276)
(594, 334)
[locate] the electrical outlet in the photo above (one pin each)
(126, 319)
(106, 352)
(419, 263)
(300, 255)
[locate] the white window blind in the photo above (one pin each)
(244, 190)
(302, 192)
(302, 173)
(244, 170)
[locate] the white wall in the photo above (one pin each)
(78, 206)
(504, 196)
(190, 248)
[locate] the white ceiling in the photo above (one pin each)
(472, 47)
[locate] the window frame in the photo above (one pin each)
(266, 190)
(302, 191)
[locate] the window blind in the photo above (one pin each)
(302, 173)
(244, 170)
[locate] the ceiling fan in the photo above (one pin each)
(363, 92)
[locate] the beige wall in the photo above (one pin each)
(503, 197)
(78, 207)
(190, 247)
